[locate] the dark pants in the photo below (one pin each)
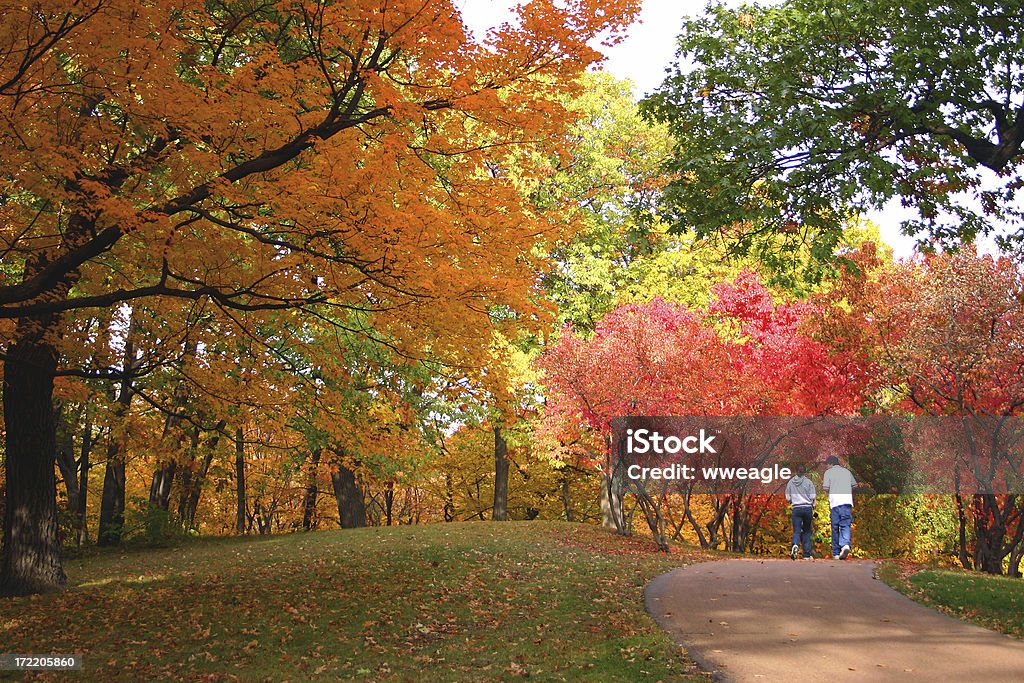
(803, 531)
(842, 521)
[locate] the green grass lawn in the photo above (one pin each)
(448, 602)
(995, 602)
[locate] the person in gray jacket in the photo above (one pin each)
(800, 492)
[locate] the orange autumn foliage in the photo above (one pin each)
(361, 162)
(263, 155)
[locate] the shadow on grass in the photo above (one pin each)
(446, 602)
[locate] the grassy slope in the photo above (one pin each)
(995, 602)
(455, 602)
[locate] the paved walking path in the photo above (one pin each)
(780, 620)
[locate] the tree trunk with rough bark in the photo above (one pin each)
(30, 561)
(30, 558)
(351, 506)
(989, 533)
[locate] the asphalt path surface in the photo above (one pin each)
(823, 620)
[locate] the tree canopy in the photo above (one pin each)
(790, 118)
(253, 251)
(349, 160)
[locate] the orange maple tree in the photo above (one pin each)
(341, 159)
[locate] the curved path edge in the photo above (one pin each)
(780, 620)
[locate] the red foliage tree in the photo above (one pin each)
(749, 353)
(946, 333)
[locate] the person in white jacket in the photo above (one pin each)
(839, 483)
(800, 493)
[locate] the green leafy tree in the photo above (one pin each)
(791, 118)
(625, 253)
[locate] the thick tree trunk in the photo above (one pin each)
(163, 476)
(263, 517)
(499, 511)
(309, 520)
(989, 534)
(196, 491)
(30, 561)
(714, 527)
(755, 514)
(239, 482)
(961, 516)
(613, 492)
(1016, 550)
(613, 511)
(351, 507)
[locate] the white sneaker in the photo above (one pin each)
(835, 557)
(844, 553)
(794, 551)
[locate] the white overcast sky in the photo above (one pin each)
(643, 56)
